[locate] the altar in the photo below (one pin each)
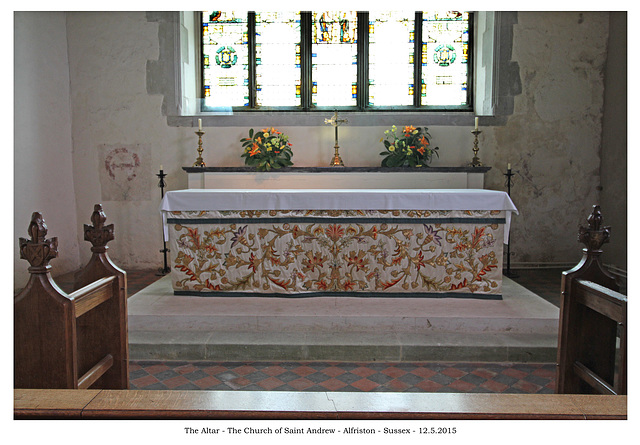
(335, 242)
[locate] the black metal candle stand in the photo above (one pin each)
(507, 272)
(166, 269)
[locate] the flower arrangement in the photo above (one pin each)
(409, 148)
(267, 149)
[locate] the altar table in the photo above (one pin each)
(362, 243)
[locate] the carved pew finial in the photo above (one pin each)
(595, 235)
(98, 234)
(38, 251)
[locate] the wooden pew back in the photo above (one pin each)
(592, 339)
(77, 340)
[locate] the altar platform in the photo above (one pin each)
(521, 327)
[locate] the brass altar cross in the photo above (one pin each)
(335, 122)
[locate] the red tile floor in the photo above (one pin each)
(329, 376)
(524, 378)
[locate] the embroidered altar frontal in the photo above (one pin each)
(255, 243)
(336, 252)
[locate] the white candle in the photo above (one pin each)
(161, 167)
(200, 124)
(476, 123)
(509, 166)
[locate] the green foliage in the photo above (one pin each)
(267, 149)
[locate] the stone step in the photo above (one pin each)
(521, 327)
(342, 324)
(252, 346)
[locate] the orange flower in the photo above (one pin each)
(271, 130)
(255, 150)
(424, 141)
(421, 150)
(408, 130)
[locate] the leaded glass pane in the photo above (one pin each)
(445, 55)
(278, 58)
(391, 54)
(334, 58)
(225, 58)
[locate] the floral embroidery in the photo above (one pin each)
(432, 234)
(324, 255)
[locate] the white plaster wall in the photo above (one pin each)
(108, 53)
(552, 140)
(553, 137)
(43, 177)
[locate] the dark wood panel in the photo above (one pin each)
(592, 315)
(59, 338)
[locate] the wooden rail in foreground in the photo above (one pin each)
(255, 405)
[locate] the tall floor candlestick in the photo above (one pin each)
(166, 269)
(508, 183)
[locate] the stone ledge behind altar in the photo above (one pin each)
(469, 169)
(337, 178)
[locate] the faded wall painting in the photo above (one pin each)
(125, 172)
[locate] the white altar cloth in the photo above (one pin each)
(406, 199)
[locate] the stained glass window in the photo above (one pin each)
(391, 58)
(278, 59)
(313, 60)
(334, 58)
(445, 56)
(225, 58)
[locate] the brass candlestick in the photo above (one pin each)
(337, 160)
(199, 162)
(475, 162)
(335, 122)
